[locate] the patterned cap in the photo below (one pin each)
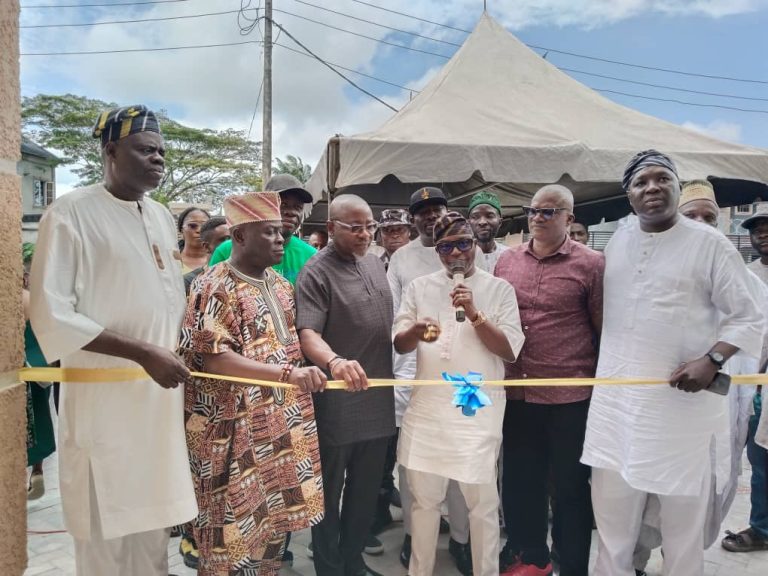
(485, 197)
(112, 125)
(697, 190)
(451, 224)
(252, 207)
(424, 196)
(643, 160)
(394, 217)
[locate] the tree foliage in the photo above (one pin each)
(201, 165)
(294, 166)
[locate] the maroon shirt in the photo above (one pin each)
(561, 311)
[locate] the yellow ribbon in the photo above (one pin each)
(93, 375)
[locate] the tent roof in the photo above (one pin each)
(498, 113)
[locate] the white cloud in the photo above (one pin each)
(720, 129)
(217, 87)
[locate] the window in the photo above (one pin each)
(744, 209)
(44, 194)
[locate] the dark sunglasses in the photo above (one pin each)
(546, 213)
(445, 248)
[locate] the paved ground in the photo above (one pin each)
(51, 554)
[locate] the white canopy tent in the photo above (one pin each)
(500, 115)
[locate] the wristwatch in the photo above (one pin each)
(479, 319)
(716, 358)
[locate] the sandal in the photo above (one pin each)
(745, 541)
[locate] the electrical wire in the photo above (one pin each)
(334, 70)
(109, 5)
(681, 101)
(160, 19)
(575, 54)
(162, 49)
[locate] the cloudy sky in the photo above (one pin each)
(217, 87)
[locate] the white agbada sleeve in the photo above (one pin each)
(732, 295)
(507, 318)
(60, 329)
(405, 316)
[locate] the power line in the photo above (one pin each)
(335, 71)
(664, 86)
(575, 54)
(85, 52)
(690, 91)
(380, 41)
(109, 5)
(378, 24)
(681, 101)
(412, 16)
(161, 19)
(352, 70)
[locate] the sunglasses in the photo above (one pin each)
(546, 213)
(445, 248)
(358, 228)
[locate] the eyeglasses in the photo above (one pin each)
(371, 227)
(546, 213)
(445, 248)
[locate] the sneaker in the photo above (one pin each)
(189, 552)
(373, 546)
(405, 552)
(310, 552)
(462, 556)
(508, 559)
(529, 570)
(745, 541)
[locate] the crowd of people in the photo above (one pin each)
(236, 467)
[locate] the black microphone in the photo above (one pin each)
(457, 273)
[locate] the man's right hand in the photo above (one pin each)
(426, 329)
(352, 373)
(164, 367)
(308, 379)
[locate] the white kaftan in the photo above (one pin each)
(104, 263)
(435, 437)
(409, 262)
(669, 297)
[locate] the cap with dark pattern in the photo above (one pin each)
(643, 160)
(451, 224)
(394, 217)
(118, 123)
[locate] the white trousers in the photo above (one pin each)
(142, 554)
(619, 512)
(458, 513)
(429, 491)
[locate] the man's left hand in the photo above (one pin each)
(694, 376)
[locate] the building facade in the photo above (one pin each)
(37, 169)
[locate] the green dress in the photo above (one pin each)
(43, 441)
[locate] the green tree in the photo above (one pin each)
(294, 166)
(201, 165)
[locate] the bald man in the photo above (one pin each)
(344, 318)
(559, 287)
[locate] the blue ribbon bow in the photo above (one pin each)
(468, 395)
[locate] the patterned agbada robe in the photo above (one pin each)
(253, 450)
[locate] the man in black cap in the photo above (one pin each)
(107, 292)
(293, 198)
(415, 259)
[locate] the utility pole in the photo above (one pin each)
(266, 137)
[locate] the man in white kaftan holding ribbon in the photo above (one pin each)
(437, 442)
(107, 292)
(677, 305)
